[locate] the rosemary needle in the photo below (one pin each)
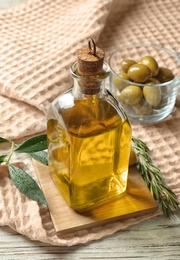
(154, 179)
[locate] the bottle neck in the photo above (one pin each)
(89, 85)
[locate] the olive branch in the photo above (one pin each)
(34, 147)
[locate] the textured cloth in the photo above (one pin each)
(38, 41)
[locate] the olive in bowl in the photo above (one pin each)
(148, 90)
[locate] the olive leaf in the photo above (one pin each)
(26, 184)
(40, 156)
(35, 147)
(34, 144)
(2, 140)
(2, 158)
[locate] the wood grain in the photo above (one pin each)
(136, 201)
(157, 239)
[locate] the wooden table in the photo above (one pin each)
(156, 239)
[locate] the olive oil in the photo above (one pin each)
(89, 136)
(89, 152)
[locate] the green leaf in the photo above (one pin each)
(40, 156)
(34, 144)
(2, 157)
(2, 140)
(26, 184)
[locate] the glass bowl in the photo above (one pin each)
(153, 97)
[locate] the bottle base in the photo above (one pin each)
(97, 205)
(82, 199)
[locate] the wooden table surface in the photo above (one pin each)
(156, 239)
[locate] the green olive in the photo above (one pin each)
(151, 63)
(143, 108)
(164, 98)
(126, 64)
(153, 81)
(127, 108)
(139, 73)
(152, 95)
(118, 82)
(164, 75)
(131, 95)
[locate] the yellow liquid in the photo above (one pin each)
(89, 160)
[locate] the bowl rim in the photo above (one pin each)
(139, 44)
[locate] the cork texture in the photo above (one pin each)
(90, 59)
(38, 44)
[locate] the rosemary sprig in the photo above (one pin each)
(153, 178)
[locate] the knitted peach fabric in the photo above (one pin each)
(38, 41)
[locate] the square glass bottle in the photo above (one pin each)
(89, 136)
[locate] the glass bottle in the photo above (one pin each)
(89, 139)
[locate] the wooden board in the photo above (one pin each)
(135, 202)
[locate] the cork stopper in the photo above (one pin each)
(90, 59)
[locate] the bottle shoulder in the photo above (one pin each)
(88, 114)
(69, 99)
